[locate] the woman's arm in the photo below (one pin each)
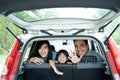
(35, 60)
(52, 64)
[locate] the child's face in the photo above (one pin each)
(62, 58)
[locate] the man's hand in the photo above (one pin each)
(73, 57)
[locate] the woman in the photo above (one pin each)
(41, 52)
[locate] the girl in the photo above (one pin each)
(61, 57)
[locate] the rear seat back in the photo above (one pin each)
(89, 71)
(44, 72)
(89, 59)
(80, 71)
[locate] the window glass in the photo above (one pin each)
(85, 13)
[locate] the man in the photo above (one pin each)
(81, 50)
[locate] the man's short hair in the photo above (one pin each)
(86, 41)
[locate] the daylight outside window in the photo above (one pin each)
(85, 13)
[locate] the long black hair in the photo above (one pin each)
(36, 46)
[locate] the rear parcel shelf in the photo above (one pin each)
(80, 71)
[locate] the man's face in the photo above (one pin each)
(81, 47)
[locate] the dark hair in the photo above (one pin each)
(60, 52)
(52, 47)
(86, 41)
(36, 46)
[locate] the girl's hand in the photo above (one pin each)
(58, 72)
(52, 64)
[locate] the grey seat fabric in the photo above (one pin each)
(93, 53)
(80, 71)
(89, 59)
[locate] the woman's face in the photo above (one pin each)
(43, 51)
(81, 47)
(62, 58)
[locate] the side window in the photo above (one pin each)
(27, 51)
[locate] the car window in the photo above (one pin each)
(47, 13)
(66, 44)
(62, 44)
(58, 44)
(28, 47)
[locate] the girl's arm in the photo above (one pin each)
(52, 64)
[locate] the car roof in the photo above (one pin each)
(8, 6)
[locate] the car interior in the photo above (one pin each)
(89, 68)
(60, 31)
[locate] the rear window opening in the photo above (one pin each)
(67, 44)
(89, 68)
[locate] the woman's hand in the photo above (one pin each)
(36, 60)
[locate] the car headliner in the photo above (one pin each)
(9, 6)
